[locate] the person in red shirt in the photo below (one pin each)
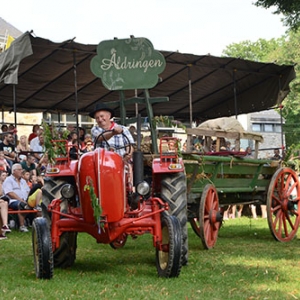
(34, 133)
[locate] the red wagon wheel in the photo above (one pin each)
(283, 208)
(195, 226)
(210, 217)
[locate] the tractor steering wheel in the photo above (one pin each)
(127, 146)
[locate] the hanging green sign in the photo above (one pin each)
(128, 64)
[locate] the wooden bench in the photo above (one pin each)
(22, 211)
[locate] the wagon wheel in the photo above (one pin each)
(283, 210)
(195, 226)
(210, 218)
(119, 242)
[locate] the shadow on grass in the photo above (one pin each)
(104, 259)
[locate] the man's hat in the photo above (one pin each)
(101, 106)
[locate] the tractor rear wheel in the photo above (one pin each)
(173, 191)
(65, 255)
(42, 249)
(169, 258)
(51, 190)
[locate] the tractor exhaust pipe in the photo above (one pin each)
(138, 158)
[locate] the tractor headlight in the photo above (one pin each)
(143, 188)
(67, 191)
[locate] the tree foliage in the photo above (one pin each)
(285, 50)
(290, 9)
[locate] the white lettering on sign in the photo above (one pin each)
(122, 64)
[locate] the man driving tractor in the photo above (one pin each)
(113, 139)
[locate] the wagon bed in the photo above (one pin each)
(216, 179)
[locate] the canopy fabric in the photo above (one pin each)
(47, 80)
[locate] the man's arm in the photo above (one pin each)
(13, 195)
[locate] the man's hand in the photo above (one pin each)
(117, 130)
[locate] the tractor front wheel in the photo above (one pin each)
(42, 249)
(169, 257)
(65, 255)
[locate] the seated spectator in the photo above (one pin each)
(35, 140)
(3, 219)
(35, 195)
(88, 144)
(39, 147)
(34, 133)
(29, 164)
(249, 152)
(26, 177)
(16, 189)
(3, 176)
(12, 129)
(81, 134)
(276, 155)
(4, 129)
(33, 179)
(74, 149)
(228, 146)
(23, 145)
(42, 164)
(133, 132)
(4, 165)
(8, 148)
(70, 129)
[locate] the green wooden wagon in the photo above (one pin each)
(224, 178)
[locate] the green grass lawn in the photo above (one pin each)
(246, 263)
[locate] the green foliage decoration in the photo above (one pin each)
(89, 186)
(292, 157)
(54, 149)
(166, 121)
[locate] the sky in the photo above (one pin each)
(191, 26)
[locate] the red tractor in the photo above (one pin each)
(95, 194)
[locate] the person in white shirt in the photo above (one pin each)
(35, 140)
(17, 190)
(39, 148)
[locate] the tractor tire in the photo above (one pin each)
(51, 190)
(65, 255)
(169, 257)
(42, 249)
(173, 192)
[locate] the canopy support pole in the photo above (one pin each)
(234, 95)
(76, 95)
(281, 119)
(15, 110)
(190, 96)
(2, 115)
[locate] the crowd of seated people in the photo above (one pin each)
(23, 162)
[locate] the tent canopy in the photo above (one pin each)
(217, 87)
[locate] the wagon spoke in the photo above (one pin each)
(288, 218)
